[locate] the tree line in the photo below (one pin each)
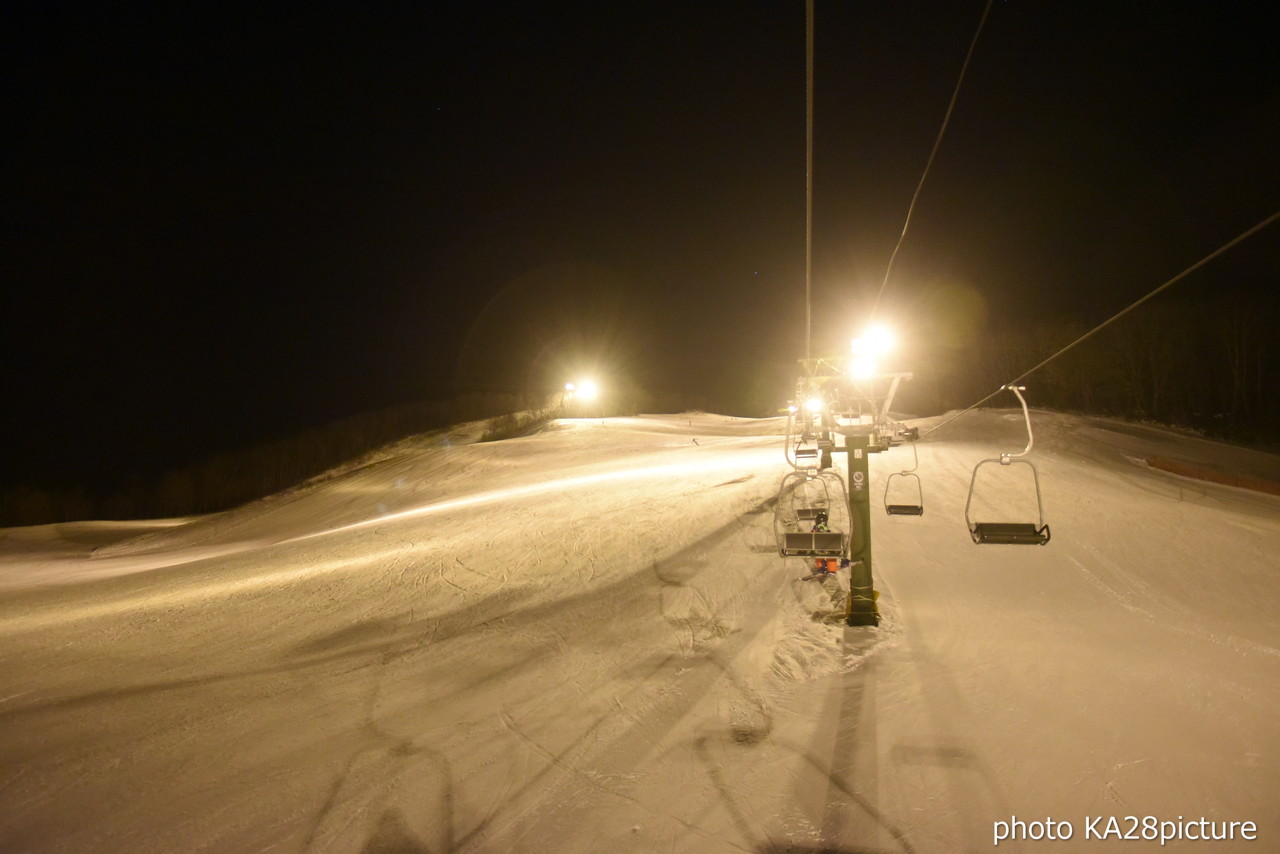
(1207, 365)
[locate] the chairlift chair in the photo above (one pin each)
(916, 509)
(809, 443)
(1010, 533)
(787, 516)
(818, 456)
(821, 544)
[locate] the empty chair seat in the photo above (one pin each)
(1009, 533)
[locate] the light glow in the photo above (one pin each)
(879, 339)
(863, 367)
(588, 390)
(813, 404)
(875, 341)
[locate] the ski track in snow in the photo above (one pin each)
(580, 641)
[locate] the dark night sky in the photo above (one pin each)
(228, 222)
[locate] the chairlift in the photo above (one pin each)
(1010, 533)
(904, 509)
(809, 444)
(802, 496)
(816, 457)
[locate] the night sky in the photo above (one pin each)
(230, 222)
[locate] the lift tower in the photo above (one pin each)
(827, 406)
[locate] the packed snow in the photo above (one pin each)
(584, 640)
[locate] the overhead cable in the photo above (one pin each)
(1101, 326)
(937, 143)
(808, 183)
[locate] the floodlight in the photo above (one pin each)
(874, 341)
(863, 367)
(587, 390)
(813, 404)
(568, 386)
(879, 339)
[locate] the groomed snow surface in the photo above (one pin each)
(585, 641)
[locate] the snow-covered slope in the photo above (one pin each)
(583, 640)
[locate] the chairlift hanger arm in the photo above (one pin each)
(915, 457)
(1006, 456)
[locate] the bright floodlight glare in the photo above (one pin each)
(587, 390)
(879, 340)
(875, 341)
(568, 386)
(864, 367)
(813, 404)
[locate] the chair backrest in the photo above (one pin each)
(813, 544)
